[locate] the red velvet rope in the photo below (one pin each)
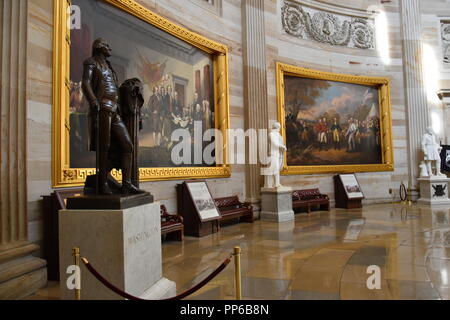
(204, 282)
(183, 295)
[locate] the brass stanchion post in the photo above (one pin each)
(403, 193)
(409, 196)
(237, 268)
(76, 257)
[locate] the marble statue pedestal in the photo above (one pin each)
(124, 246)
(434, 190)
(276, 204)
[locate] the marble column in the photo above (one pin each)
(415, 89)
(20, 273)
(255, 85)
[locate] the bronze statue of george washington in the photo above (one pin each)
(109, 136)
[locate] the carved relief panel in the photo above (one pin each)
(317, 24)
(445, 40)
(214, 6)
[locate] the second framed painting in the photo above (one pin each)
(334, 123)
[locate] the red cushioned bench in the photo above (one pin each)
(310, 198)
(231, 208)
(172, 225)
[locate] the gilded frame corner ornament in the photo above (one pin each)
(65, 176)
(383, 85)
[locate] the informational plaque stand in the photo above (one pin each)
(347, 191)
(198, 209)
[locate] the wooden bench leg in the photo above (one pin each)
(249, 218)
(174, 235)
(180, 235)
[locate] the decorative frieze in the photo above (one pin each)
(445, 40)
(215, 6)
(322, 26)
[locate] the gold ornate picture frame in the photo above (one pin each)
(62, 173)
(329, 132)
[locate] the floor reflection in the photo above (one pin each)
(324, 256)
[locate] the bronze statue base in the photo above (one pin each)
(91, 183)
(112, 202)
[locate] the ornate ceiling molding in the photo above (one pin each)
(311, 21)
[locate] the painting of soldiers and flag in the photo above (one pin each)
(177, 80)
(331, 123)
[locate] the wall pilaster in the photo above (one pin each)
(415, 89)
(20, 273)
(255, 84)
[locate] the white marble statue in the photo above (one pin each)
(431, 150)
(277, 150)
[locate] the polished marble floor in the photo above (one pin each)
(323, 255)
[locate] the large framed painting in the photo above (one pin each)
(185, 83)
(334, 123)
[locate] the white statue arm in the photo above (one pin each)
(438, 144)
(276, 141)
(424, 144)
